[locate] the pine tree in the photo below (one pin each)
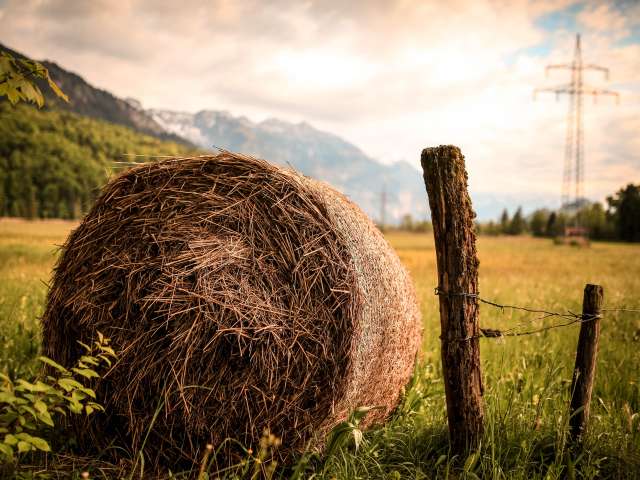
(517, 225)
(504, 222)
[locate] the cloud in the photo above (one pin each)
(392, 76)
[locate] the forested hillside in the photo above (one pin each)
(52, 163)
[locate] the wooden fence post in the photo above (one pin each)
(586, 355)
(452, 216)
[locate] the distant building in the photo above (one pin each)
(574, 236)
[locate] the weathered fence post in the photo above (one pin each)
(586, 355)
(445, 177)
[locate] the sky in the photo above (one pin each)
(390, 76)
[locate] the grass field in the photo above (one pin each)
(526, 378)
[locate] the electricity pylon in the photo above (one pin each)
(573, 171)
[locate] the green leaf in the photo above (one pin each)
(105, 359)
(87, 359)
(45, 417)
(12, 94)
(28, 409)
(73, 405)
(10, 439)
(69, 384)
(56, 89)
(23, 385)
(470, 462)
(53, 364)
(7, 397)
(24, 446)
(96, 406)
(6, 450)
(359, 413)
(41, 387)
(109, 350)
(89, 392)
(40, 406)
(40, 444)
(6, 66)
(25, 423)
(86, 372)
(8, 417)
(78, 395)
(338, 437)
(32, 93)
(441, 459)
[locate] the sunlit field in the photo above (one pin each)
(526, 378)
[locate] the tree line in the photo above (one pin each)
(53, 163)
(619, 220)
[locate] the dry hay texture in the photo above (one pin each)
(240, 296)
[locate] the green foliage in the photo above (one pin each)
(517, 226)
(17, 83)
(489, 228)
(408, 224)
(347, 432)
(595, 219)
(624, 213)
(52, 163)
(504, 221)
(621, 220)
(28, 408)
(538, 222)
(506, 226)
(555, 224)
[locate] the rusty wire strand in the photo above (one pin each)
(570, 317)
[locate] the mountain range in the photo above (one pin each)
(386, 192)
(315, 153)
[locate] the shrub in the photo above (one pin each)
(29, 409)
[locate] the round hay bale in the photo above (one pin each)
(240, 297)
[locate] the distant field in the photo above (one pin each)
(526, 378)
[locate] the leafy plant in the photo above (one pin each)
(17, 77)
(345, 432)
(27, 408)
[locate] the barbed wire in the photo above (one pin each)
(634, 310)
(570, 317)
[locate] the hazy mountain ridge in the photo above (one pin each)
(315, 153)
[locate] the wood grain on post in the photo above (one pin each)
(586, 356)
(452, 216)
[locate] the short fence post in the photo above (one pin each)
(586, 355)
(452, 216)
